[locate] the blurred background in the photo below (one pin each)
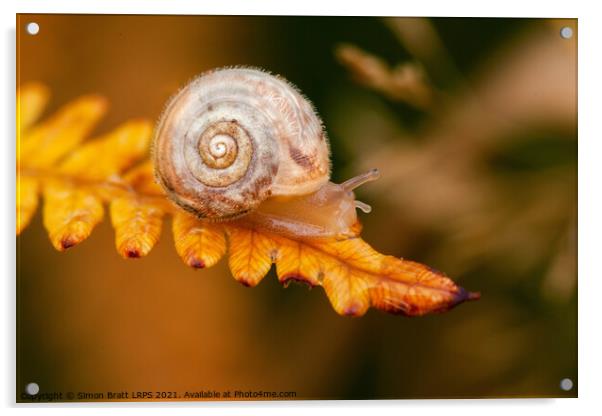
(473, 124)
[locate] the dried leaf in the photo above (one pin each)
(44, 145)
(406, 82)
(137, 226)
(74, 188)
(27, 201)
(251, 255)
(70, 214)
(353, 274)
(198, 244)
(141, 178)
(111, 154)
(76, 179)
(31, 102)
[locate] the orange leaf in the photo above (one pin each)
(363, 277)
(141, 178)
(298, 262)
(70, 213)
(251, 255)
(198, 244)
(43, 145)
(353, 274)
(111, 154)
(31, 101)
(27, 201)
(137, 226)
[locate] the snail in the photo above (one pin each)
(240, 144)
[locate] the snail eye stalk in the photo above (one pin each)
(359, 180)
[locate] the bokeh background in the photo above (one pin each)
(472, 123)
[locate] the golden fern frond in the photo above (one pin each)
(78, 178)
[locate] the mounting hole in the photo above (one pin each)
(566, 32)
(32, 28)
(566, 384)
(32, 389)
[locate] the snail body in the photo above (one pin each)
(241, 144)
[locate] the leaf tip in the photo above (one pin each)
(35, 88)
(133, 249)
(245, 282)
(249, 281)
(67, 242)
(353, 310)
(132, 253)
(96, 102)
(461, 296)
(86, 109)
(196, 263)
(296, 278)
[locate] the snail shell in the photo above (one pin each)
(234, 137)
(241, 144)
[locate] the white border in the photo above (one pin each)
(590, 201)
(508, 8)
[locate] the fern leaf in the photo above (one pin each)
(77, 179)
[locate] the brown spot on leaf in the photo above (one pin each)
(197, 263)
(297, 278)
(245, 282)
(352, 310)
(132, 253)
(68, 242)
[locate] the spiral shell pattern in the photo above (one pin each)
(234, 137)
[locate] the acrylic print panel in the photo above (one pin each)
(182, 273)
